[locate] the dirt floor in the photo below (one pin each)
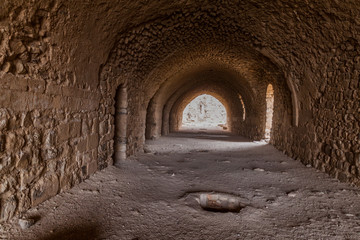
(155, 196)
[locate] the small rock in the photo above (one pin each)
(220, 202)
(259, 169)
(26, 223)
(292, 194)
(19, 67)
(6, 67)
(147, 150)
(17, 46)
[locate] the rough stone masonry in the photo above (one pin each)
(62, 61)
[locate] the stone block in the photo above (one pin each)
(19, 66)
(92, 167)
(73, 104)
(85, 129)
(41, 101)
(93, 141)
(17, 46)
(5, 161)
(5, 98)
(107, 137)
(10, 142)
(49, 153)
(94, 153)
(44, 189)
(357, 159)
(26, 120)
(68, 91)
(3, 186)
(75, 129)
(23, 161)
(8, 207)
(18, 83)
(65, 182)
(7, 67)
(82, 146)
(50, 138)
(19, 101)
(103, 127)
(89, 104)
(63, 131)
(58, 102)
(95, 125)
(5, 81)
(36, 85)
(53, 89)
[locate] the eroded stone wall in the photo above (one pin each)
(49, 124)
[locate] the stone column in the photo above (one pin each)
(121, 105)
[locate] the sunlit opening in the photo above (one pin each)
(269, 110)
(204, 112)
(243, 107)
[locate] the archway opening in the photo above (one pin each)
(269, 111)
(204, 112)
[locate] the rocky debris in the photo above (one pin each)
(291, 194)
(25, 223)
(220, 202)
(147, 149)
(258, 169)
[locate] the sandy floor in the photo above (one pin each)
(154, 196)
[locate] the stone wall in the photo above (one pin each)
(49, 140)
(49, 123)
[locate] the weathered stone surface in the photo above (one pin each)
(60, 72)
(4, 118)
(8, 207)
(44, 189)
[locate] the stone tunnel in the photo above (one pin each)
(84, 85)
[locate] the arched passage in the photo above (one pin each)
(208, 79)
(55, 68)
(173, 110)
(204, 112)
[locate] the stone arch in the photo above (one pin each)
(168, 93)
(154, 71)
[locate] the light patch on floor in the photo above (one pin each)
(154, 196)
